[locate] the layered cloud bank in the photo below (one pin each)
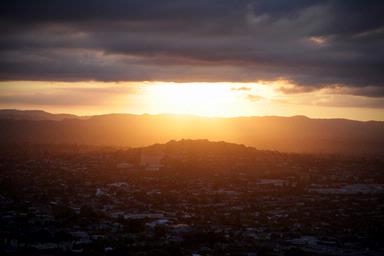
(311, 43)
(317, 58)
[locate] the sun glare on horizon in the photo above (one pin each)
(205, 99)
(211, 99)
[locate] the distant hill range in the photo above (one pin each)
(288, 134)
(14, 114)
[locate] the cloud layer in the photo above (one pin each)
(314, 44)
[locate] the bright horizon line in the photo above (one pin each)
(209, 99)
(188, 115)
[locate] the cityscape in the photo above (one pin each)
(188, 197)
(192, 128)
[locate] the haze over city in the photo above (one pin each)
(192, 127)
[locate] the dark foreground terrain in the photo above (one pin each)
(188, 198)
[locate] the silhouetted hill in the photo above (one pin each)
(15, 114)
(289, 134)
(204, 148)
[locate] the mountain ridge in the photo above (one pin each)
(287, 134)
(35, 114)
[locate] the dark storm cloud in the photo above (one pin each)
(314, 44)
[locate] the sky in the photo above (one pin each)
(206, 57)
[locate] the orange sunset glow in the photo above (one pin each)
(192, 127)
(212, 99)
